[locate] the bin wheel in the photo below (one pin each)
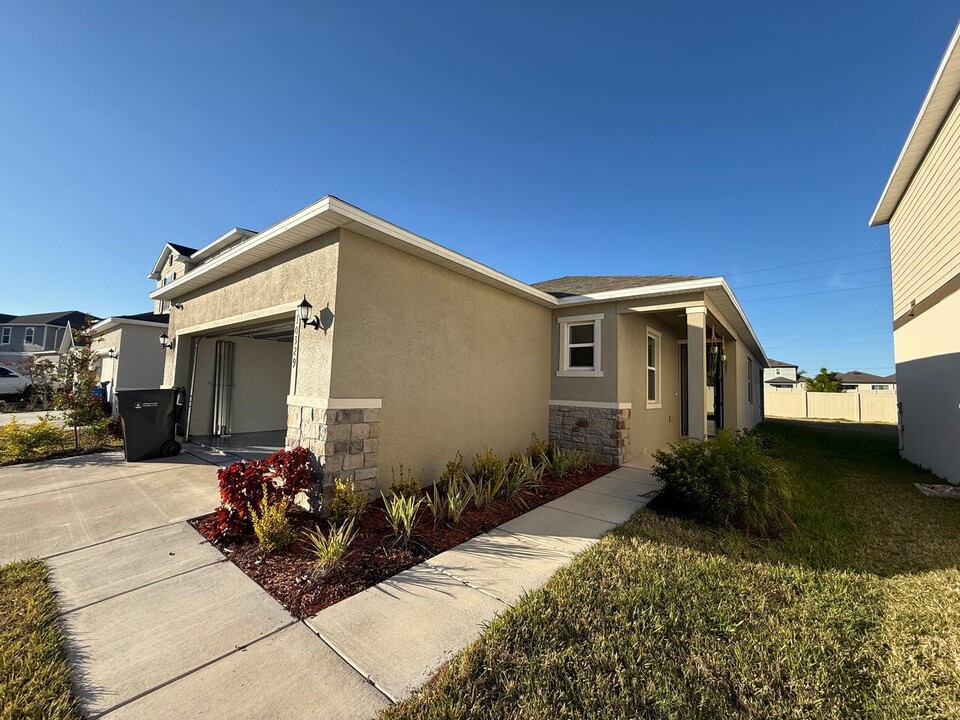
(170, 448)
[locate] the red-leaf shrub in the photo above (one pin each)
(284, 474)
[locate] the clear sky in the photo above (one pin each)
(543, 139)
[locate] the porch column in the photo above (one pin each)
(697, 371)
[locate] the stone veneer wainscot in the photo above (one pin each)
(345, 441)
(604, 431)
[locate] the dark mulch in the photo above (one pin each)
(373, 556)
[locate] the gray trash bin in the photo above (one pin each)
(149, 422)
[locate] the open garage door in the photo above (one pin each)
(240, 383)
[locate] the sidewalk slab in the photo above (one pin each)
(557, 528)
(617, 487)
(638, 475)
(131, 644)
(107, 569)
(398, 633)
(501, 564)
(75, 517)
(601, 507)
(292, 674)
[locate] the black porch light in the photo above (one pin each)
(111, 353)
(165, 341)
(303, 312)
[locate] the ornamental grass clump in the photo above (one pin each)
(521, 476)
(270, 523)
(727, 481)
(329, 549)
(401, 512)
(562, 461)
(438, 504)
(459, 494)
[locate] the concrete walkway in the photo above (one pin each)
(161, 625)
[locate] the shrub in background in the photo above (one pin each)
(405, 483)
(347, 503)
(522, 475)
(540, 448)
(270, 523)
(329, 549)
(562, 461)
(24, 442)
(453, 472)
(728, 481)
(487, 466)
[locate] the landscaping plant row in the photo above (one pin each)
(308, 565)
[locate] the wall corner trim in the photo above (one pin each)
(589, 404)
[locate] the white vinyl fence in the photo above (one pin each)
(856, 407)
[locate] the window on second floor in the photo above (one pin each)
(28, 336)
(167, 279)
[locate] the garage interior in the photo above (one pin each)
(239, 386)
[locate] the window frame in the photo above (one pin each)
(657, 338)
(564, 369)
(32, 333)
(5, 335)
(750, 391)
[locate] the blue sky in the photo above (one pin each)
(541, 139)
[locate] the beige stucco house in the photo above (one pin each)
(412, 352)
(921, 206)
(126, 351)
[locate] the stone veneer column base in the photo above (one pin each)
(604, 431)
(345, 442)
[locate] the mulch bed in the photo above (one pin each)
(373, 555)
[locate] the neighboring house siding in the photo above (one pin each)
(925, 229)
(458, 364)
(927, 351)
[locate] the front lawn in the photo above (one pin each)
(34, 675)
(855, 615)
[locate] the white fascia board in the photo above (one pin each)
(743, 316)
(639, 292)
(225, 239)
(342, 214)
(934, 110)
(110, 322)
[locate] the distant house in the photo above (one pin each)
(783, 376)
(127, 351)
(43, 334)
(861, 382)
(921, 206)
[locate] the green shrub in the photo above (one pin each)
(347, 503)
(328, 550)
(727, 481)
(405, 483)
(486, 490)
(401, 511)
(487, 465)
(23, 442)
(270, 523)
(99, 431)
(453, 472)
(562, 461)
(459, 494)
(539, 448)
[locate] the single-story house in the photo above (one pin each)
(342, 332)
(857, 381)
(921, 206)
(127, 351)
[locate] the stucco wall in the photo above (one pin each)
(650, 428)
(269, 289)
(590, 389)
(927, 352)
(141, 357)
(458, 364)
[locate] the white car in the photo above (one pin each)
(12, 382)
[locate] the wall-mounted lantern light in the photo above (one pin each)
(165, 341)
(303, 312)
(112, 354)
(178, 306)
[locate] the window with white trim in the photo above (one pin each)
(5, 336)
(653, 369)
(28, 336)
(879, 387)
(750, 380)
(580, 346)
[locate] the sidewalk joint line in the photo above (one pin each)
(356, 668)
(118, 537)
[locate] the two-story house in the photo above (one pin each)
(43, 334)
(781, 375)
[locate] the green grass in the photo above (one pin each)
(34, 675)
(855, 615)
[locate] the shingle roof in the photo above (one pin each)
(183, 249)
(856, 376)
(780, 363)
(6, 316)
(163, 319)
(76, 319)
(785, 380)
(587, 284)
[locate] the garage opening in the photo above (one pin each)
(240, 384)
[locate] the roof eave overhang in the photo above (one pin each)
(714, 287)
(330, 213)
(936, 107)
(111, 322)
